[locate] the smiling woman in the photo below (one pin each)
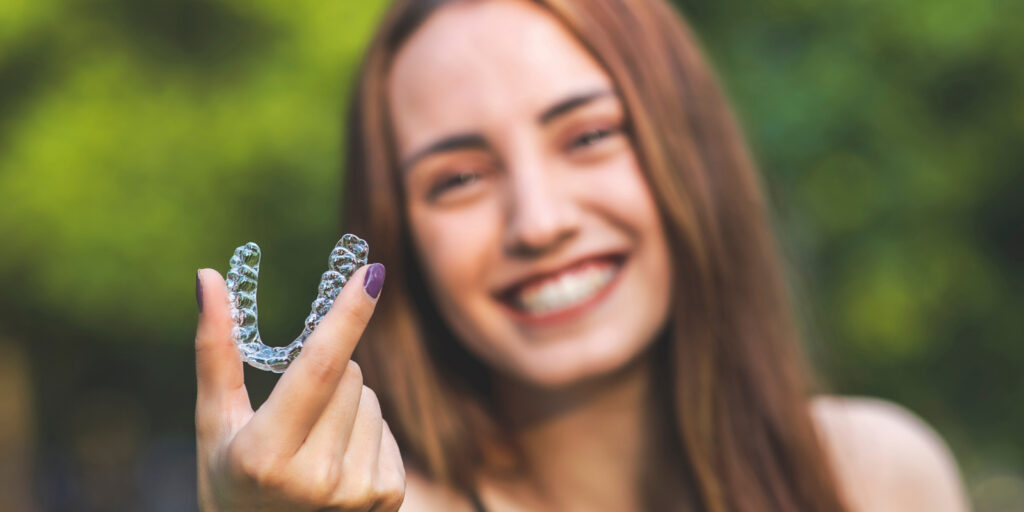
(586, 310)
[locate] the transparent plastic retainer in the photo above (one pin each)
(349, 254)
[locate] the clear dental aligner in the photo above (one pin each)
(349, 254)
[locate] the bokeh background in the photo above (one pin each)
(142, 140)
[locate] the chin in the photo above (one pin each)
(567, 362)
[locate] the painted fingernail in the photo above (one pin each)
(374, 280)
(199, 292)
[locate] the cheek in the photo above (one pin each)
(455, 247)
(620, 189)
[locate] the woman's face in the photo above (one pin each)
(531, 217)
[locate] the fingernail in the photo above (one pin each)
(374, 280)
(199, 292)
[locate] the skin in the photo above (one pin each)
(528, 185)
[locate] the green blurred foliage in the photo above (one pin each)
(142, 140)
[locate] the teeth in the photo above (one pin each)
(565, 291)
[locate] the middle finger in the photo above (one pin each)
(332, 430)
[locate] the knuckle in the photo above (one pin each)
(397, 469)
(391, 490)
(324, 484)
(358, 490)
(354, 372)
(369, 399)
(250, 468)
(201, 342)
(393, 499)
(324, 368)
(253, 466)
(331, 477)
(206, 345)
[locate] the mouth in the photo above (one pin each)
(564, 293)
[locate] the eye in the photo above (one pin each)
(452, 181)
(591, 137)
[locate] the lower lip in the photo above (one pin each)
(562, 315)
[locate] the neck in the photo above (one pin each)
(589, 446)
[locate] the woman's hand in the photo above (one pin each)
(317, 443)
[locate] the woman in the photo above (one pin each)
(584, 312)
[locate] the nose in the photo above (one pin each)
(541, 214)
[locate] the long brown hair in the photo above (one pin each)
(739, 391)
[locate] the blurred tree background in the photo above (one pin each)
(142, 140)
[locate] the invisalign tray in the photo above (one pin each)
(349, 254)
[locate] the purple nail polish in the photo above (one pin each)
(199, 292)
(374, 279)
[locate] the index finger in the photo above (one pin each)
(306, 387)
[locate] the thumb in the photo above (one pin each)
(219, 375)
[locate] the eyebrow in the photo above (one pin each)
(477, 141)
(567, 105)
(452, 143)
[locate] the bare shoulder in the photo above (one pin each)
(423, 495)
(887, 458)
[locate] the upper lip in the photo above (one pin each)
(540, 274)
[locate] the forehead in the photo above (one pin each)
(477, 64)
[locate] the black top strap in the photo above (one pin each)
(478, 505)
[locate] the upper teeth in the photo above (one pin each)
(567, 290)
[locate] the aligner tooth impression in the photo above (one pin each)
(348, 254)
